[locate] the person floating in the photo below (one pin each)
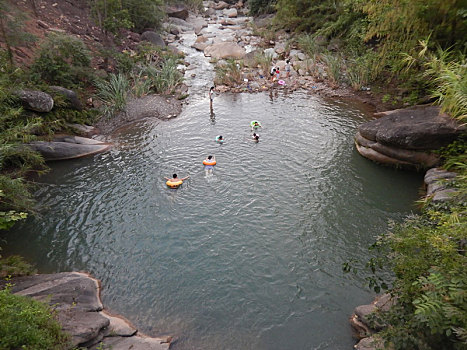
(255, 125)
(255, 137)
(175, 182)
(209, 163)
(220, 139)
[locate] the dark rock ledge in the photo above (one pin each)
(406, 138)
(76, 298)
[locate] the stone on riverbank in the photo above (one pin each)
(438, 184)
(71, 97)
(178, 11)
(37, 101)
(406, 137)
(225, 50)
(76, 297)
(153, 38)
(69, 147)
(151, 106)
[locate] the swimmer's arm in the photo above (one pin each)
(166, 178)
(184, 178)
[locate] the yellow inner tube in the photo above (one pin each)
(207, 162)
(173, 184)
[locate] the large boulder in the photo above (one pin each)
(177, 11)
(71, 98)
(153, 38)
(34, 100)
(76, 298)
(407, 137)
(69, 147)
(225, 50)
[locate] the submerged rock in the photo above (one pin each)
(407, 137)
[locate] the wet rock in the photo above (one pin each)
(153, 38)
(231, 13)
(69, 147)
(407, 137)
(370, 343)
(177, 11)
(76, 298)
(70, 97)
(34, 100)
(439, 184)
(83, 130)
(197, 24)
(221, 5)
(225, 50)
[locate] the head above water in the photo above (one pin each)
(220, 137)
(257, 137)
(174, 176)
(209, 157)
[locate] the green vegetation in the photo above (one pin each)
(229, 74)
(63, 60)
(28, 324)
(427, 254)
(114, 15)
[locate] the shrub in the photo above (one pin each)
(28, 324)
(63, 60)
(113, 93)
(229, 74)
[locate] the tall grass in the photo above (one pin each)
(113, 93)
(165, 79)
(229, 74)
(334, 65)
(308, 44)
(264, 61)
(450, 79)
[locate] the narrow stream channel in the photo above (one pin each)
(249, 258)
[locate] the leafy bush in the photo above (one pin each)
(427, 254)
(229, 74)
(15, 265)
(63, 60)
(259, 7)
(28, 324)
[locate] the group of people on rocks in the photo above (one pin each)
(275, 72)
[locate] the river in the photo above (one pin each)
(249, 258)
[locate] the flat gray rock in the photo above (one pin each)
(153, 38)
(132, 343)
(61, 150)
(417, 128)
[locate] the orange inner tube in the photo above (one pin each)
(207, 162)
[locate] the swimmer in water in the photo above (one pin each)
(255, 125)
(209, 168)
(220, 139)
(176, 179)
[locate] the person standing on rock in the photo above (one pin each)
(211, 96)
(287, 68)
